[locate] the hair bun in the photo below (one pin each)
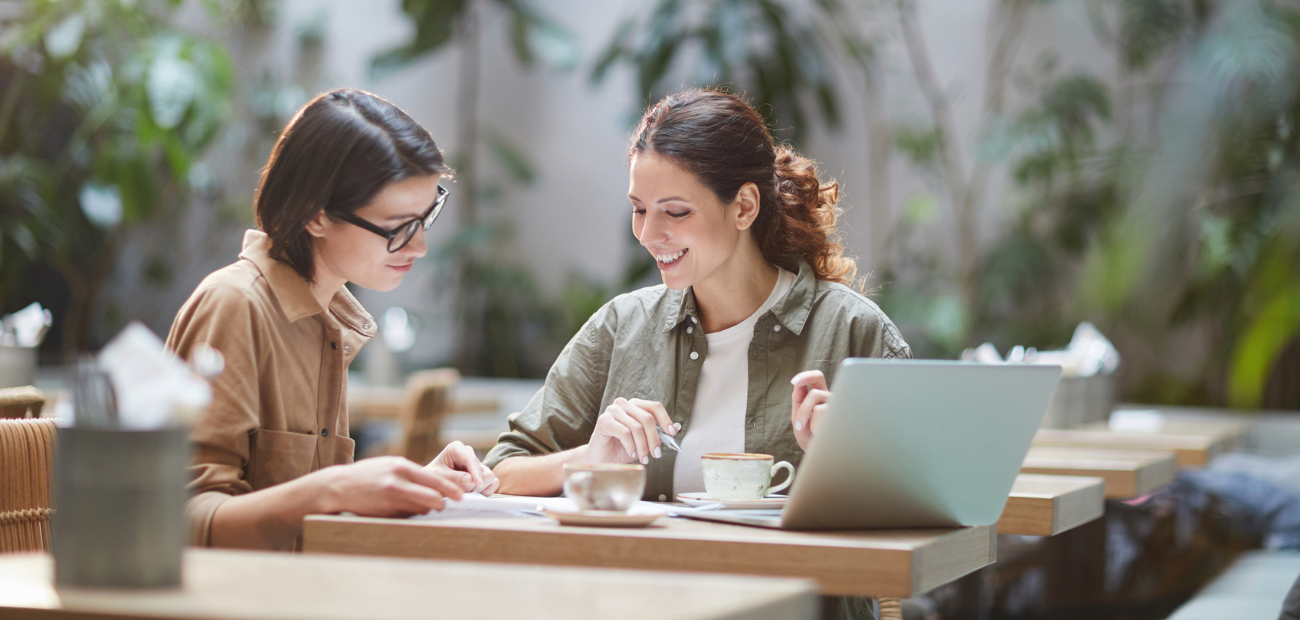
(809, 210)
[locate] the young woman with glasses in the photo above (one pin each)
(351, 185)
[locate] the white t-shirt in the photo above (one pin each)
(718, 414)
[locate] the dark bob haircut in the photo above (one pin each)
(336, 154)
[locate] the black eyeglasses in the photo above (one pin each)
(403, 234)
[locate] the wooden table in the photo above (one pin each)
(1048, 505)
(1128, 473)
(1194, 444)
(250, 584)
(892, 563)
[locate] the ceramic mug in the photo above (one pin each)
(742, 476)
(603, 486)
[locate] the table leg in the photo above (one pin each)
(891, 608)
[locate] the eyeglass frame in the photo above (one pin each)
(389, 234)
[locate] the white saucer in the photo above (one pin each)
(601, 518)
(774, 500)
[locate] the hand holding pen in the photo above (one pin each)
(623, 432)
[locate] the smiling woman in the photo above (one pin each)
(734, 351)
(350, 188)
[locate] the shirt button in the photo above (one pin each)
(695, 355)
(663, 498)
(695, 320)
(347, 349)
(365, 326)
(324, 432)
(690, 330)
(334, 345)
(776, 328)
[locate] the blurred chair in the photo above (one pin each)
(21, 402)
(26, 469)
(428, 399)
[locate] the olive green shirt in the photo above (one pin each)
(648, 344)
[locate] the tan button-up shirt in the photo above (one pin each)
(279, 410)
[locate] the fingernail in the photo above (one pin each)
(658, 453)
(798, 426)
(792, 381)
(677, 426)
(645, 460)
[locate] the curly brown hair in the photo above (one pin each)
(723, 141)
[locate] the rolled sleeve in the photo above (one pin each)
(223, 319)
(198, 512)
(562, 415)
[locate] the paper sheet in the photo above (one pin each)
(476, 505)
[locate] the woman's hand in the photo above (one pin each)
(385, 486)
(625, 432)
(807, 402)
(458, 463)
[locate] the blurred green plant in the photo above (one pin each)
(107, 109)
(1209, 241)
(1184, 224)
(782, 54)
(506, 327)
(956, 180)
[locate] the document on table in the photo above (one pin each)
(477, 505)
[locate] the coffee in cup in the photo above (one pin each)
(604, 486)
(742, 476)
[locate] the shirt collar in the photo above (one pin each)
(294, 294)
(792, 310)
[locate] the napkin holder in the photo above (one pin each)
(119, 518)
(17, 366)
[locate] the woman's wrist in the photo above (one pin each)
(317, 492)
(580, 454)
(537, 475)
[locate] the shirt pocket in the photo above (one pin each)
(279, 456)
(341, 449)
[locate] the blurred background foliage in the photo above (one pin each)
(506, 328)
(1156, 199)
(105, 115)
(1176, 222)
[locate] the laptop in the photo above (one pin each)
(912, 443)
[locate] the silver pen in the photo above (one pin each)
(667, 440)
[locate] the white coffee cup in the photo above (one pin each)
(604, 486)
(742, 476)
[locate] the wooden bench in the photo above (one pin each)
(1193, 445)
(1048, 505)
(1127, 473)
